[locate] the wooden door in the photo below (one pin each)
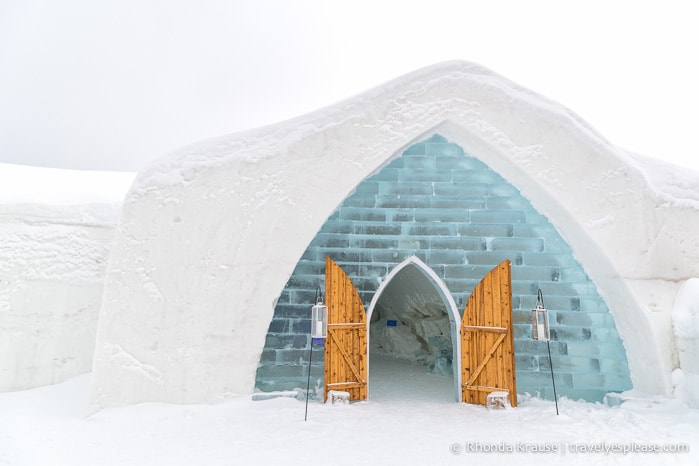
(346, 345)
(487, 341)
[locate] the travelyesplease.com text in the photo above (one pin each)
(562, 448)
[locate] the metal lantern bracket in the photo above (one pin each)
(319, 331)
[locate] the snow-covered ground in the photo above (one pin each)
(53, 426)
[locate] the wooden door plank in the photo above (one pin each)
(348, 359)
(486, 359)
(345, 347)
(487, 340)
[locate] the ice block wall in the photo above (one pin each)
(461, 218)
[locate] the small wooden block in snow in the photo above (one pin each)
(497, 400)
(338, 396)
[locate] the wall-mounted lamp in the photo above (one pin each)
(540, 321)
(319, 320)
(540, 332)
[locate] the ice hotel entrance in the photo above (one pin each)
(454, 165)
(422, 232)
(407, 320)
(413, 347)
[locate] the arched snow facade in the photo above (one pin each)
(459, 217)
(210, 236)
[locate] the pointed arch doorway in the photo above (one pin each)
(413, 327)
(485, 363)
(412, 317)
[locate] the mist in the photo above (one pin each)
(114, 85)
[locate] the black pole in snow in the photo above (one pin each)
(308, 384)
(555, 398)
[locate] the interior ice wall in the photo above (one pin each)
(52, 265)
(210, 234)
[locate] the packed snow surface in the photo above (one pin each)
(407, 424)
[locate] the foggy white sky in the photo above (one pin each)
(111, 85)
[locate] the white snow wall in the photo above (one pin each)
(210, 235)
(52, 264)
(685, 319)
